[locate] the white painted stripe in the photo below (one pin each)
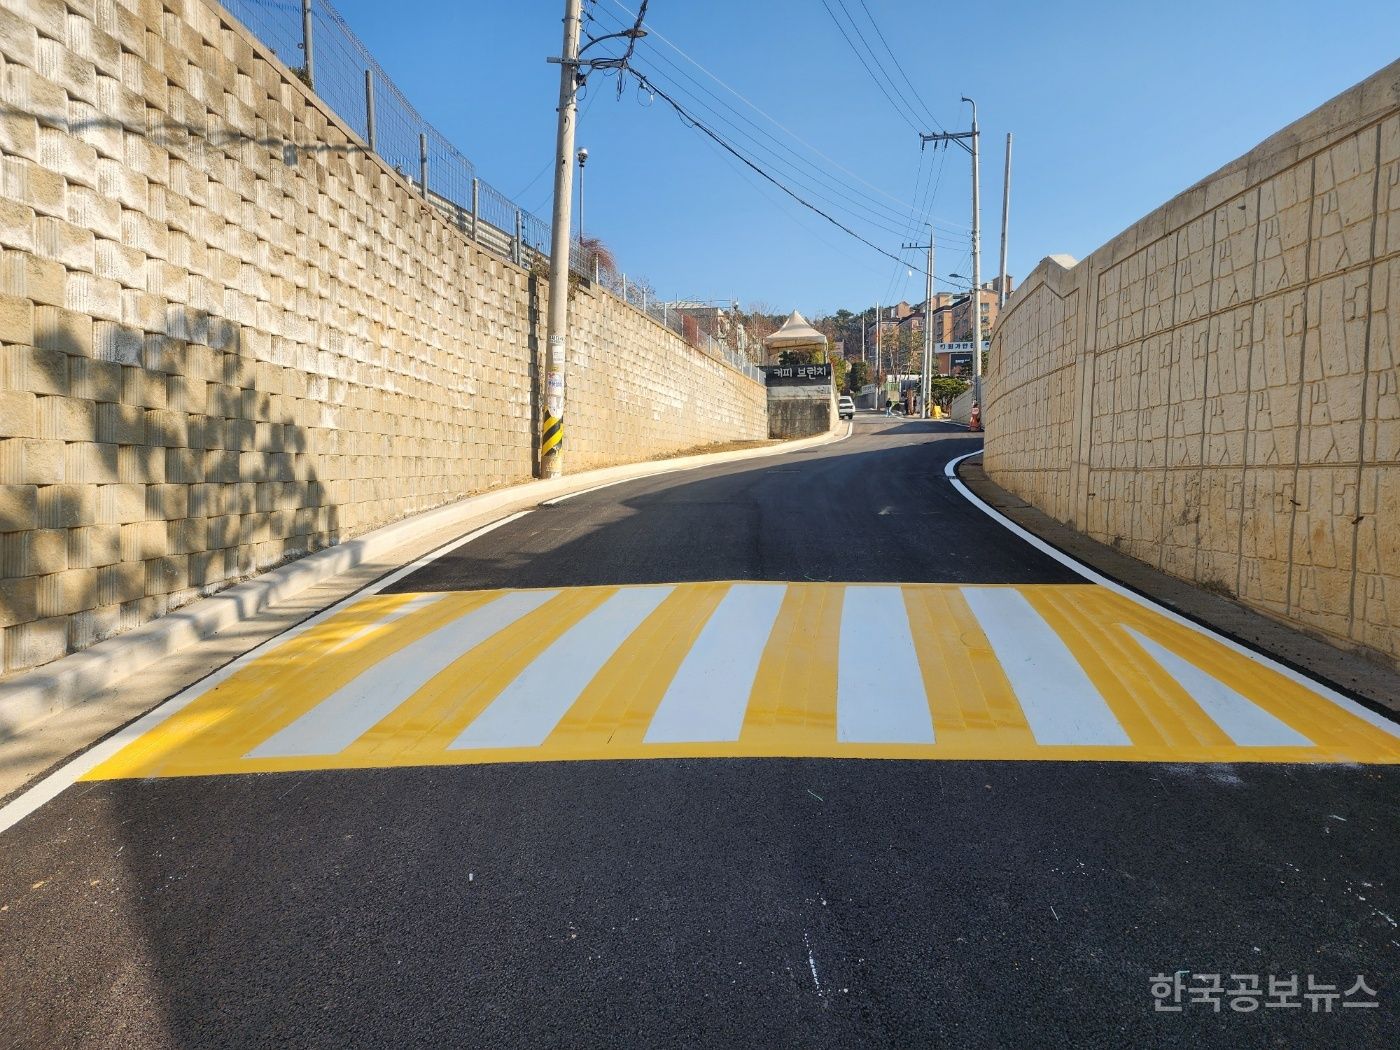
(1376, 719)
(707, 699)
(880, 695)
(1061, 704)
(406, 609)
(528, 709)
(1243, 721)
(346, 715)
(51, 786)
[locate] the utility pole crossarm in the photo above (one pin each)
(947, 136)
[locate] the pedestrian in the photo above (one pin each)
(889, 406)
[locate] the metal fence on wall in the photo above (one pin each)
(315, 42)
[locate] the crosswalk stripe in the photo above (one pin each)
(971, 700)
(793, 703)
(710, 693)
(392, 616)
(335, 723)
(616, 708)
(1332, 728)
(528, 709)
(749, 669)
(1245, 723)
(1061, 703)
(1148, 703)
(423, 727)
(879, 689)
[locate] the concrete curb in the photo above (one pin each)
(31, 696)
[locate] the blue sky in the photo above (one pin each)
(1115, 108)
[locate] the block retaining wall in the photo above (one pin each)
(1216, 392)
(230, 335)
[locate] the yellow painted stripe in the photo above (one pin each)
(273, 691)
(792, 710)
(969, 696)
(617, 706)
(1148, 703)
(793, 703)
(1336, 731)
(427, 723)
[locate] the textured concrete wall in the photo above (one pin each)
(800, 411)
(229, 335)
(960, 410)
(1215, 390)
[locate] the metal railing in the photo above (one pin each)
(313, 39)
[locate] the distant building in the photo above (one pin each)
(719, 321)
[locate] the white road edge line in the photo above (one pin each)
(68, 774)
(1344, 702)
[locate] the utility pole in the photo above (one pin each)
(926, 375)
(878, 362)
(571, 70)
(552, 416)
(971, 141)
(1005, 221)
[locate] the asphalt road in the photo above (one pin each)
(709, 902)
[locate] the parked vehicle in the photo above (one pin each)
(845, 407)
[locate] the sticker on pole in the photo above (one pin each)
(554, 392)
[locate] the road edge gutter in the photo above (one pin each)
(30, 697)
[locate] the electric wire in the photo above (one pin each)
(899, 66)
(653, 32)
(800, 170)
(699, 125)
(904, 111)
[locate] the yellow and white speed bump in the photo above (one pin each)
(915, 671)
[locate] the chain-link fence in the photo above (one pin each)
(315, 42)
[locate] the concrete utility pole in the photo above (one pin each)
(971, 141)
(552, 414)
(976, 257)
(1005, 221)
(877, 345)
(926, 374)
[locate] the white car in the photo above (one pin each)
(845, 408)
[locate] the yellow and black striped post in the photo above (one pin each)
(551, 435)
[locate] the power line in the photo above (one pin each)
(897, 65)
(862, 206)
(773, 120)
(699, 125)
(801, 176)
(904, 113)
(778, 203)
